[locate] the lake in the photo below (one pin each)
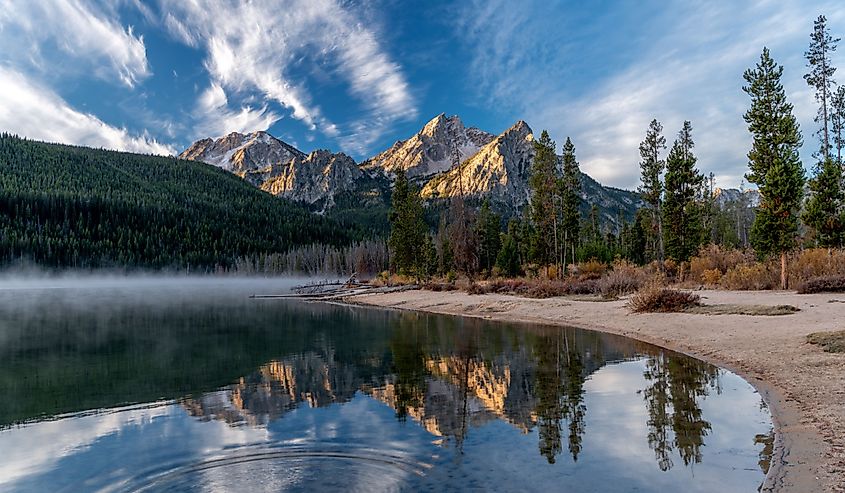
(189, 385)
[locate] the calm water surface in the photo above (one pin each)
(191, 386)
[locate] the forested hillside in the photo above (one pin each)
(64, 206)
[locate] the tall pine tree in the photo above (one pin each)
(820, 78)
(681, 214)
(774, 164)
(824, 209)
(651, 188)
(542, 182)
(408, 232)
(837, 122)
(488, 231)
(570, 193)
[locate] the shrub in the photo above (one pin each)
(656, 298)
(832, 342)
(816, 262)
(476, 288)
(625, 278)
(439, 286)
(750, 277)
(711, 277)
(823, 284)
(714, 257)
(592, 269)
(670, 268)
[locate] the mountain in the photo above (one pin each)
(241, 153)
(311, 179)
(66, 206)
(494, 167)
(430, 151)
(499, 171)
(725, 196)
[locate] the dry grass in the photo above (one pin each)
(758, 310)
(816, 262)
(655, 298)
(439, 286)
(824, 284)
(590, 270)
(715, 258)
(625, 278)
(750, 277)
(832, 342)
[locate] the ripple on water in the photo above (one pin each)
(266, 468)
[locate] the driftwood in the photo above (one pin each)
(333, 290)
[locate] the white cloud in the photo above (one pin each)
(216, 118)
(251, 47)
(690, 68)
(34, 111)
(81, 29)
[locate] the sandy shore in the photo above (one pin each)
(804, 386)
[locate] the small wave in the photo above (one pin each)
(278, 468)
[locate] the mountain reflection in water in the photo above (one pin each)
(496, 405)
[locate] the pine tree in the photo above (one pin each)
(488, 231)
(681, 214)
(837, 122)
(408, 232)
(774, 164)
(824, 209)
(820, 77)
(570, 193)
(543, 186)
(651, 188)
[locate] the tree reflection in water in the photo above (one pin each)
(447, 374)
(672, 399)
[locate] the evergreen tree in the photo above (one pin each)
(820, 77)
(570, 193)
(651, 188)
(508, 260)
(681, 214)
(637, 241)
(837, 122)
(488, 231)
(824, 209)
(774, 164)
(445, 258)
(542, 182)
(407, 229)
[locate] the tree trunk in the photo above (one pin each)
(660, 247)
(783, 280)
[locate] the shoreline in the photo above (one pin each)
(769, 352)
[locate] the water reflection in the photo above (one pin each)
(304, 390)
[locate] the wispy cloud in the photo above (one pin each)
(81, 29)
(688, 66)
(217, 118)
(34, 111)
(251, 47)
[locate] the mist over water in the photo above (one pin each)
(177, 383)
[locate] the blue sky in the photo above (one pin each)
(354, 76)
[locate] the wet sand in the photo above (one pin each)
(803, 386)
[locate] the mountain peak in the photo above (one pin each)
(499, 169)
(240, 153)
(430, 151)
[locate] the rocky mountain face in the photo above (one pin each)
(494, 167)
(241, 153)
(313, 179)
(431, 150)
(499, 170)
(725, 196)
